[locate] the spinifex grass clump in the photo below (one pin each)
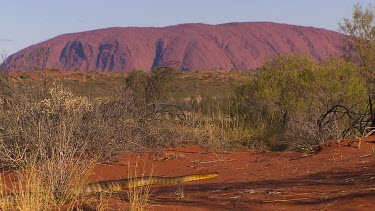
(212, 126)
(139, 197)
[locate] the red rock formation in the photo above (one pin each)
(196, 46)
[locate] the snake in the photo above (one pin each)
(123, 184)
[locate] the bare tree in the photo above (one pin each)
(360, 39)
(3, 57)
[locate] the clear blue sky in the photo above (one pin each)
(27, 22)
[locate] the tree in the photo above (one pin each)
(3, 57)
(359, 31)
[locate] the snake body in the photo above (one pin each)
(123, 184)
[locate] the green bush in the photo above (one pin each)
(291, 93)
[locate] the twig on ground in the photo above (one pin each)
(214, 161)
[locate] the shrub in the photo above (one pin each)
(38, 138)
(291, 93)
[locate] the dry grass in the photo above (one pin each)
(139, 197)
(219, 131)
(4, 204)
(32, 192)
(47, 185)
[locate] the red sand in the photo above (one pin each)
(337, 178)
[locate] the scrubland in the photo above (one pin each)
(55, 126)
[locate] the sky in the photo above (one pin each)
(27, 22)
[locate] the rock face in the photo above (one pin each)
(195, 46)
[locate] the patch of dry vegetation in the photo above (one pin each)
(38, 141)
(52, 136)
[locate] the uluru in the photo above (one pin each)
(230, 46)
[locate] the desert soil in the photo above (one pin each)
(336, 178)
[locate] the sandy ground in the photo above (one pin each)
(336, 178)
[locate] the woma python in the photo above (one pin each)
(122, 184)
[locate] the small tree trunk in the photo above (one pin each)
(372, 114)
